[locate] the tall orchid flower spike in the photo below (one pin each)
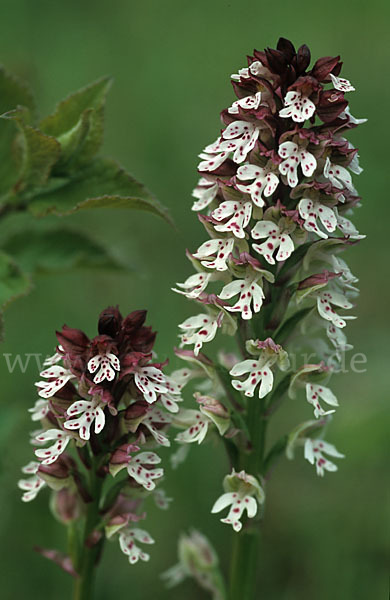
(275, 196)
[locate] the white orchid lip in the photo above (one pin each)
(294, 155)
(105, 366)
(297, 106)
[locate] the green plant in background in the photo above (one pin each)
(51, 166)
(276, 188)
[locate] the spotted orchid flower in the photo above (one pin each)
(157, 417)
(251, 294)
(338, 338)
(50, 454)
(314, 392)
(127, 539)
(59, 376)
(33, 484)
(198, 426)
(314, 450)
(210, 162)
(255, 68)
(150, 381)
(338, 176)
(293, 156)
(199, 330)
(237, 213)
(53, 360)
(194, 285)
(105, 365)
(265, 182)
(205, 192)
(39, 410)
(175, 383)
(258, 373)
(142, 475)
(325, 300)
(246, 103)
(340, 84)
(239, 137)
(242, 493)
(214, 253)
(348, 228)
(277, 238)
(259, 368)
(86, 413)
(297, 106)
(311, 210)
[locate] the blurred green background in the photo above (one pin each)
(171, 61)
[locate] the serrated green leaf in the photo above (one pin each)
(14, 93)
(78, 123)
(104, 184)
(11, 158)
(39, 151)
(13, 282)
(58, 250)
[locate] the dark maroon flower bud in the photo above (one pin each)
(331, 104)
(326, 65)
(143, 339)
(110, 321)
(66, 506)
(134, 321)
(317, 279)
(73, 341)
(137, 409)
(303, 58)
(287, 48)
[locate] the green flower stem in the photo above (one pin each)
(246, 543)
(89, 553)
(244, 565)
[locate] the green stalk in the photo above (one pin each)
(243, 565)
(89, 554)
(246, 542)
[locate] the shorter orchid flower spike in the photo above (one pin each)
(314, 450)
(242, 492)
(127, 539)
